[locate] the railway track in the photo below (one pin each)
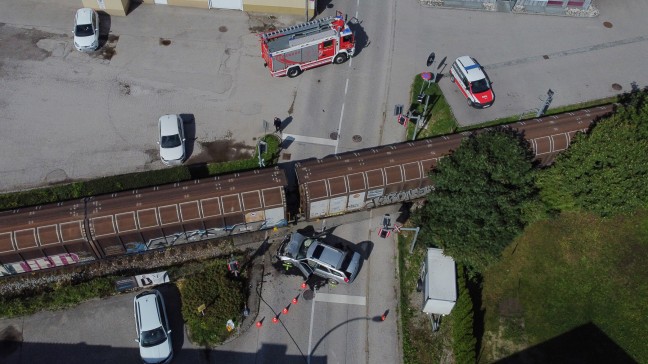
(128, 222)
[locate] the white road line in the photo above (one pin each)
(310, 140)
(346, 87)
(340, 298)
(310, 333)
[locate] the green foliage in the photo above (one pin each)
(480, 192)
(438, 118)
(574, 270)
(55, 298)
(463, 340)
(130, 181)
(605, 171)
(223, 296)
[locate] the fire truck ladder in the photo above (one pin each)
(303, 29)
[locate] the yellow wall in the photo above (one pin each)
(295, 7)
(113, 7)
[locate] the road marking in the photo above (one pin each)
(310, 140)
(340, 298)
(346, 88)
(310, 333)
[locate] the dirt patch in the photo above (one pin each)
(108, 50)
(263, 23)
(222, 151)
(21, 44)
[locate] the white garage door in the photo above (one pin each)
(226, 4)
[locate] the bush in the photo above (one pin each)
(223, 297)
(464, 341)
(56, 298)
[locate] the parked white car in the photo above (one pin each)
(152, 327)
(172, 140)
(86, 30)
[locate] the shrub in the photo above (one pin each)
(223, 297)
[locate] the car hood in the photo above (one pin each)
(484, 97)
(291, 247)
(156, 354)
(85, 41)
(172, 154)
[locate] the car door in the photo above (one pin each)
(306, 269)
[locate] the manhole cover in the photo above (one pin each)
(308, 295)
(222, 29)
(286, 156)
(165, 42)
(334, 135)
(616, 87)
(357, 138)
(545, 56)
(607, 24)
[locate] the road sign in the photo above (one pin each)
(397, 229)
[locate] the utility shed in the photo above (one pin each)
(439, 278)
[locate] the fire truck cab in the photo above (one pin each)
(290, 51)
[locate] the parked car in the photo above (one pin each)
(172, 140)
(312, 256)
(86, 30)
(473, 83)
(152, 327)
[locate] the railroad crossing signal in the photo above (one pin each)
(384, 233)
(397, 228)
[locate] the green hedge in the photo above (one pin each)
(131, 181)
(55, 298)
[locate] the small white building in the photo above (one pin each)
(439, 281)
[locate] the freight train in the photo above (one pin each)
(129, 222)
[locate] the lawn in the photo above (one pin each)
(575, 273)
(437, 118)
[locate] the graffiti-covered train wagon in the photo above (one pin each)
(127, 222)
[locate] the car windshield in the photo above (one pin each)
(479, 86)
(83, 30)
(170, 141)
(153, 337)
(303, 249)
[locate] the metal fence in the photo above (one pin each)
(552, 7)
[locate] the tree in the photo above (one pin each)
(476, 208)
(606, 170)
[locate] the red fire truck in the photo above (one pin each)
(291, 50)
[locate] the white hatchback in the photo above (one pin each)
(152, 326)
(172, 140)
(86, 30)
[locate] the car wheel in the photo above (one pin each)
(332, 282)
(340, 58)
(293, 72)
(470, 103)
(452, 79)
(419, 285)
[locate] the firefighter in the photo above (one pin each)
(277, 124)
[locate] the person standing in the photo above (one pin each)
(277, 124)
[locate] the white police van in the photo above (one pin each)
(469, 76)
